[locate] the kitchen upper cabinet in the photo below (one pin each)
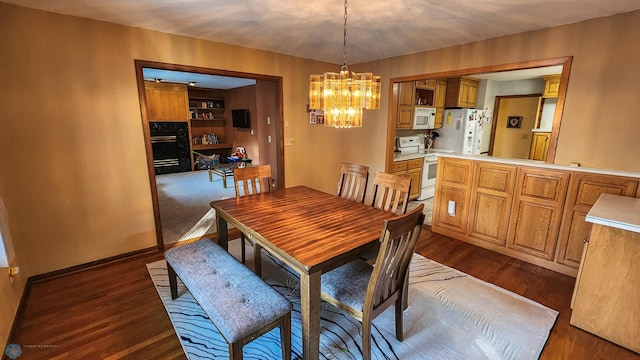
(537, 210)
(539, 146)
(551, 86)
(441, 92)
(462, 92)
(584, 190)
(491, 197)
(167, 102)
(450, 210)
(406, 95)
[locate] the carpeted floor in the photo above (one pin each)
(451, 316)
(184, 200)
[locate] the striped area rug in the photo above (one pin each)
(451, 315)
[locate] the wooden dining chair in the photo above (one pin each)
(365, 291)
(391, 192)
(250, 181)
(353, 182)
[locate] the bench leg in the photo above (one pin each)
(257, 260)
(285, 336)
(235, 350)
(242, 246)
(173, 282)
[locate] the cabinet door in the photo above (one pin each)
(167, 102)
(584, 190)
(606, 300)
(453, 184)
(406, 93)
(416, 175)
(537, 210)
(405, 117)
(551, 86)
(539, 146)
(491, 197)
(439, 118)
(441, 91)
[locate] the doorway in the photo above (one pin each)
(267, 123)
(514, 118)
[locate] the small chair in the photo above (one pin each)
(250, 181)
(365, 291)
(391, 192)
(353, 182)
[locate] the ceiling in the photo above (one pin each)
(313, 29)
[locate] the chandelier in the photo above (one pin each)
(343, 95)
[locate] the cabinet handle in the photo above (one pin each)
(585, 240)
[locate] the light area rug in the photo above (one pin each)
(451, 315)
(183, 200)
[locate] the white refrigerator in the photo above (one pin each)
(461, 131)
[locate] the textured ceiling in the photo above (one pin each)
(313, 29)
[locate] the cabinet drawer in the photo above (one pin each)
(399, 166)
(415, 163)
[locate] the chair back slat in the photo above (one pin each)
(353, 181)
(252, 180)
(398, 242)
(391, 192)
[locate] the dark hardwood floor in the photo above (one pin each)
(113, 311)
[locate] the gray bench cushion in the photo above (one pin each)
(236, 300)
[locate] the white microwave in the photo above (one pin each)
(424, 117)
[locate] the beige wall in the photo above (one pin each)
(73, 175)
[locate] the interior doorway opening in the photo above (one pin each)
(264, 136)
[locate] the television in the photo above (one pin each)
(240, 118)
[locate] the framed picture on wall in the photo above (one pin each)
(514, 121)
(316, 116)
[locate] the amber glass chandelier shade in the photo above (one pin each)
(343, 95)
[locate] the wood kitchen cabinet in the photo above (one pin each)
(584, 190)
(533, 213)
(413, 168)
(491, 197)
(453, 184)
(406, 95)
(537, 210)
(166, 102)
(551, 86)
(462, 92)
(539, 146)
(606, 298)
(441, 92)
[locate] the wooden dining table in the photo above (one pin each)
(311, 231)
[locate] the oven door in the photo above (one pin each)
(429, 172)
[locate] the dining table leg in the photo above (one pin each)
(310, 311)
(222, 232)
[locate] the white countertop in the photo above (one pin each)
(542, 164)
(399, 156)
(540, 130)
(616, 211)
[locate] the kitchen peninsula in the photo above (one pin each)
(526, 209)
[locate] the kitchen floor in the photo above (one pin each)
(428, 209)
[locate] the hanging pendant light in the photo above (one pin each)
(343, 95)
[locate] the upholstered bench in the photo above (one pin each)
(239, 303)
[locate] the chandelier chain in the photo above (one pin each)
(344, 43)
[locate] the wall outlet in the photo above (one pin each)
(268, 120)
(289, 142)
(451, 208)
(269, 138)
